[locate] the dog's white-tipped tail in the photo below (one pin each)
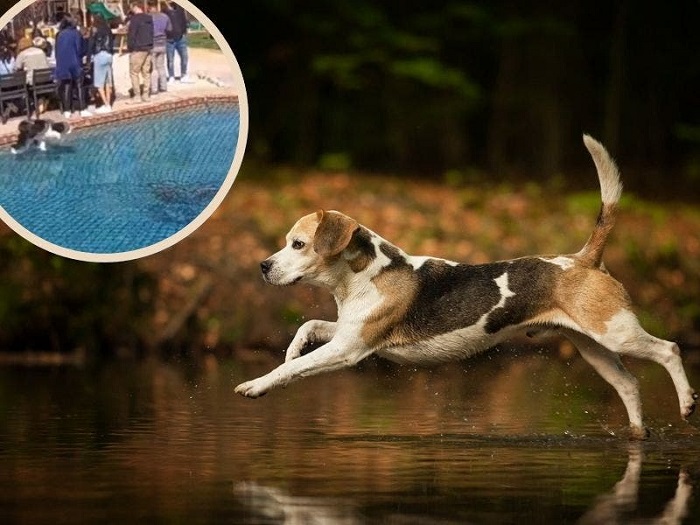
(610, 190)
(608, 174)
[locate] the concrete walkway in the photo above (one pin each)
(211, 71)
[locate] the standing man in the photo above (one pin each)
(177, 41)
(70, 51)
(139, 43)
(161, 25)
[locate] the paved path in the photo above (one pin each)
(211, 71)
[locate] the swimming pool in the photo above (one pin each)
(122, 186)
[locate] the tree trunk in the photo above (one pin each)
(614, 92)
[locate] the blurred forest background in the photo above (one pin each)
(453, 128)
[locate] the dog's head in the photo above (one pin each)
(312, 250)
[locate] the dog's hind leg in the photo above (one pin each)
(610, 368)
(626, 336)
(668, 355)
(310, 332)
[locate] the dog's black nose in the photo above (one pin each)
(266, 266)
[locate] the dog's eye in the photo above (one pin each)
(297, 244)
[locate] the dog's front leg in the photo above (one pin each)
(329, 357)
(310, 332)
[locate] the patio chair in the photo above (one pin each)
(43, 84)
(12, 87)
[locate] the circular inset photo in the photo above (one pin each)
(123, 124)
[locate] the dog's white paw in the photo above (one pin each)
(689, 407)
(290, 356)
(639, 433)
(253, 389)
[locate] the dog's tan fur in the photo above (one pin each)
(423, 309)
(383, 326)
(590, 297)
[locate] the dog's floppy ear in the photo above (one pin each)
(24, 127)
(333, 233)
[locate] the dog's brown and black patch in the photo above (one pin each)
(532, 282)
(396, 258)
(440, 298)
(363, 250)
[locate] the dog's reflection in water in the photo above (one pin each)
(609, 508)
(275, 504)
(621, 501)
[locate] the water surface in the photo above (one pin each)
(507, 438)
(118, 187)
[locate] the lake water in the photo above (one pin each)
(511, 437)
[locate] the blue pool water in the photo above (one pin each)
(122, 186)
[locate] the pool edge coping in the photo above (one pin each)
(136, 110)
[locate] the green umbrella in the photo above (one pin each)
(98, 8)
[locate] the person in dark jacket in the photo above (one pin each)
(70, 50)
(139, 43)
(176, 40)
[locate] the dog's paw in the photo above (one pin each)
(689, 408)
(251, 389)
(639, 433)
(290, 356)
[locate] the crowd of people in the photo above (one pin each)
(82, 58)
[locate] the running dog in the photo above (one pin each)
(421, 310)
(36, 132)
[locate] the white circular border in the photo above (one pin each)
(238, 86)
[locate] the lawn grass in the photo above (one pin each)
(201, 39)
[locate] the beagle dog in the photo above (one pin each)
(422, 310)
(36, 132)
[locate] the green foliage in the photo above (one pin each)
(335, 162)
(584, 203)
(507, 87)
(652, 323)
(688, 133)
(463, 177)
(691, 170)
(292, 314)
(588, 203)
(658, 212)
(435, 75)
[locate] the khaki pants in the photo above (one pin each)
(140, 71)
